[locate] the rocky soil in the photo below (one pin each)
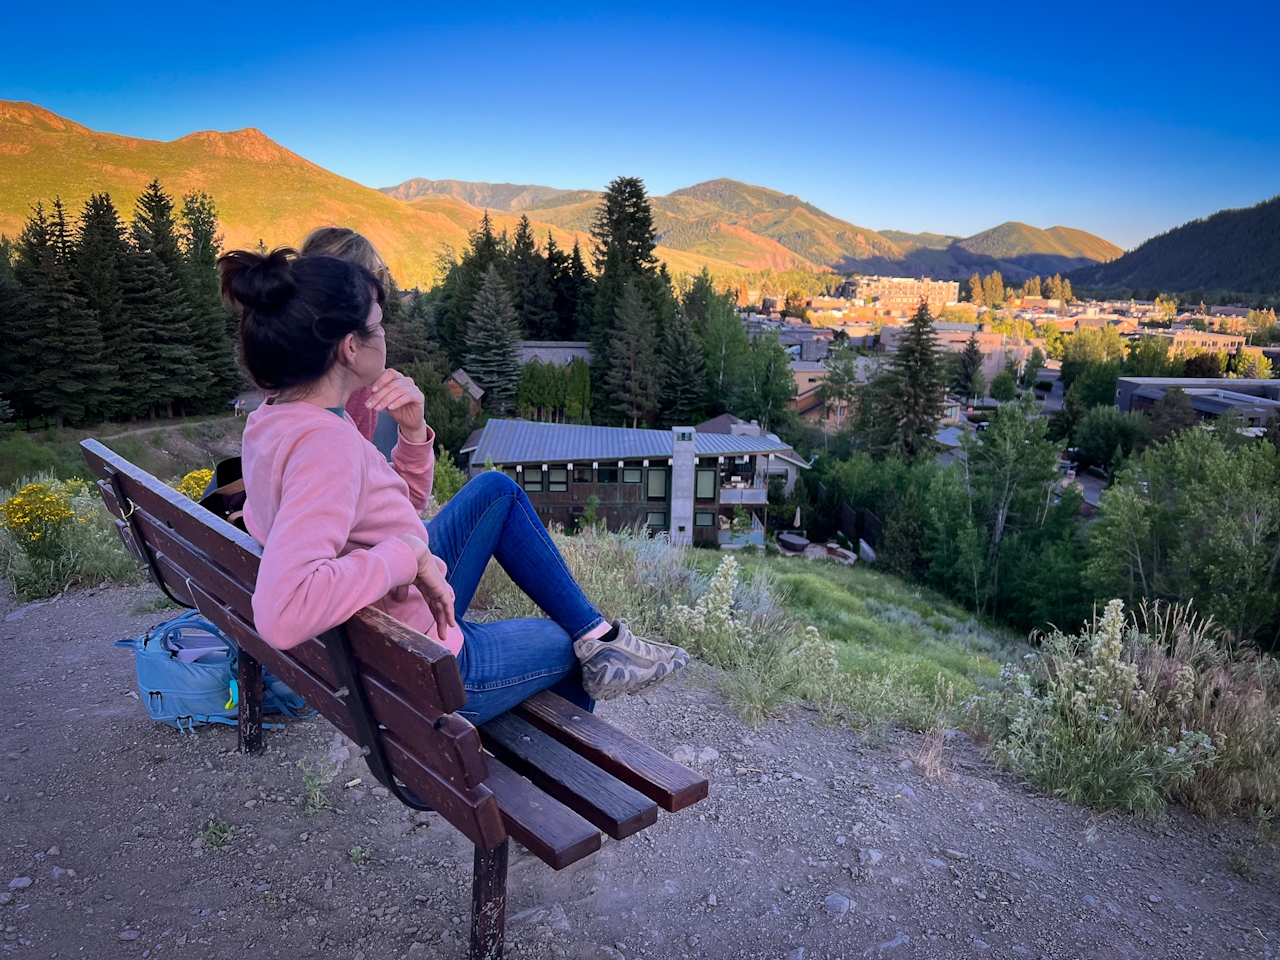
(813, 844)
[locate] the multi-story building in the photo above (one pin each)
(902, 293)
(1188, 340)
(1257, 401)
(686, 481)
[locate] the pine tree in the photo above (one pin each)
(698, 299)
(213, 322)
(532, 297)
(914, 398)
(571, 288)
(684, 378)
(463, 282)
(58, 350)
(970, 364)
(98, 264)
(156, 290)
(625, 239)
(975, 290)
(493, 358)
(580, 289)
(633, 381)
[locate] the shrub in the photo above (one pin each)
(1136, 712)
(56, 532)
(20, 456)
(194, 484)
(448, 479)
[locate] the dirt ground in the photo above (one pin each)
(811, 845)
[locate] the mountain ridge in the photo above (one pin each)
(265, 192)
(1231, 251)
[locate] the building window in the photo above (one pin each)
(581, 474)
(684, 435)
(532, 479)
(704, 519)
(654, 519)
(511, 472)
(656, 488)
(607, 475)
(557, 480)
(632, 475)
(704, 485)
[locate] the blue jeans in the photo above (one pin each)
(508, 661)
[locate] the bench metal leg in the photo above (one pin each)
(249, 679)
(489, 903)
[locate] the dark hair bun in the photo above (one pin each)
(294, 311)
(258, 282)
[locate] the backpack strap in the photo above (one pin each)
(352, 693)
(122, 498)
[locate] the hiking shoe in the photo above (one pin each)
(627, 664)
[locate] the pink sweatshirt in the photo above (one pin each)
(328, 510)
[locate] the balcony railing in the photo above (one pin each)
(753, 491)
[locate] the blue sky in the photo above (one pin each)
(1124, 119)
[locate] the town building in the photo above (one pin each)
(560, 352)
(1188, 341)
(459, 384)
(687, 481)
(1257, 401)
(902, 293)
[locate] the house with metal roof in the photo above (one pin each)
(1257, 401)
(686, 482)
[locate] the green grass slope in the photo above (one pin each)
(1233, 250)
(491, 196)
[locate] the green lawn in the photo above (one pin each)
(880, 624)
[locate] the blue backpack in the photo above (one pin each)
(187, 676)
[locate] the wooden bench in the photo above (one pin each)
(547, 774)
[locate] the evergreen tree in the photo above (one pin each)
(213, 322)
(6, 261)
(58, 349)
(532, 296)
(156, 292)
(684, 377)
(634, 378)
(98, 263)
(570, 282)
(913, 402)
(625, 240)
(970, 364)
(580, 290)
(493, 357)
(698, 299)
(463, 282)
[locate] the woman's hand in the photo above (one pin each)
(431, 584)
(400, 396)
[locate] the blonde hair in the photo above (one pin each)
(345, 244)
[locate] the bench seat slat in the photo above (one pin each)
(600, 798)
(672, 785)
(547, 828)
(473, 811)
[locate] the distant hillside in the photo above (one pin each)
(1233, 250)
(264, 191)
(758, 228)
(491, 196)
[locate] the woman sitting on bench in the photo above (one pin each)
(339, 525)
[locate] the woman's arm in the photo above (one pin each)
(304, 587)
(413, 456)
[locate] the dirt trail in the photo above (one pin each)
(812, 844)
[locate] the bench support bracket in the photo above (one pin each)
(489, 903)
(338, 644)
